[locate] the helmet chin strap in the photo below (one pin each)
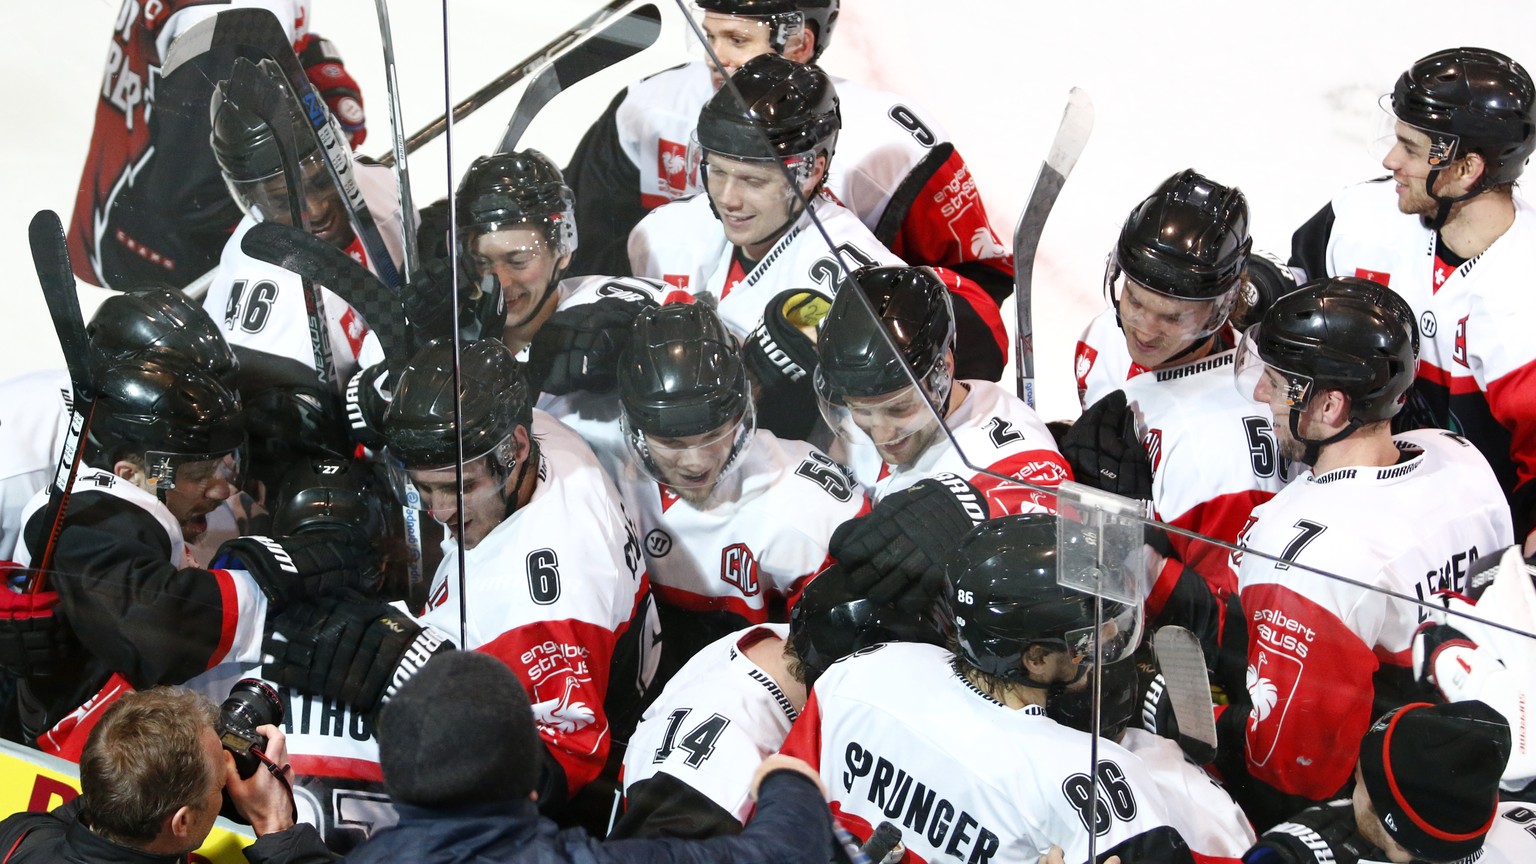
(1314, 446)
(549, 292)
(1051, 687)
(509, 503)
(1443, 211)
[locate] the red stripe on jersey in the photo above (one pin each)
(337, 766)
(651, 202)
(1512, 401)
(668, 497)
(1457, 384)
(692, 602)
(1223, 518)
(968, 292)
(66, 739)
(229, 616)
(1040, 467)
(804, 738)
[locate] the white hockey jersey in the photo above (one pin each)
(261, 306)
(34, 416)
(1315, 642)
(713, 724)
(759, 538)
(898, 733)
(1202, 811)
(552, 601)
(1101, 362)
(995, 430)
(1213, 454)
(683, 244)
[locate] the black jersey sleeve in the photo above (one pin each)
(607, 189)
(664, 806)
(1309, 244)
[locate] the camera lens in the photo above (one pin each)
(254, 703)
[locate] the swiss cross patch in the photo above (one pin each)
(672, 166)
(1374, 276)
(677, 279)
(1443, 272)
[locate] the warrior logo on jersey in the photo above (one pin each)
(658, 543)
(672, 165)
(1428, 325)
(738, 566)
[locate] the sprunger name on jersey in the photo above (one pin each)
(920, 808)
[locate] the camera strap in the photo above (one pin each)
(15, 846)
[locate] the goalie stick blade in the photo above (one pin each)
(259, 29)
(1071, 138)
(617, 41)
(50, 257)
(1182, 663)
(323, 264)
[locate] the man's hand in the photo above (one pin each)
(781, 762)
(34, 641)
(265, 799)
(1325, 834)
(1105, 452)
(780, 355)
(322, 65)
(578, 348)
(317, 562)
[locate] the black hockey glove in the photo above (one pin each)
(428, 301)
(1105, 452)
(34, 640)
(1325, 834)
(896, 552)
(317, 562)
(578, 348)
(357, 651)
(1269, 279)
(781, 354)
(367, 398)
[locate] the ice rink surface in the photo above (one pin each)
(1279, 98)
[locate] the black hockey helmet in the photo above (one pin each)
(1001, 596)
(243, 143)
(914, 313)
(419, 422)
(165, 411)
(1188, 240)
(1471, 100)
(792, 106)
(158, 320)
(330, 492)
(832, 621)
(520, 188)
(784, 17)
(682, 375)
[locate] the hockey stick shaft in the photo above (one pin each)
(50, 257)
(397, 127)
(616, 41)
(503, 82)
(1071, 138)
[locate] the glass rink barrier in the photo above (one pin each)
(700, 435)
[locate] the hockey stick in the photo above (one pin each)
(303, 253)
(259, 29)
(501, 83)
(1071, 138)
(397, 126)
(616, 42)
(50, 257)
(1182, 663)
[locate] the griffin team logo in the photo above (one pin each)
(672, 165)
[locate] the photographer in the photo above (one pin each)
(153, 777)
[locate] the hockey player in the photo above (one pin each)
(162, 451)
(151, 206)
(895, 170)
(689, 765)
(751, 234)
(556, 606)
(1406, 515)
(710, 490)
(262, 306)
(974, 769)
(868, 398)
(1449, 235)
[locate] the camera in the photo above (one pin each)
(251, 703)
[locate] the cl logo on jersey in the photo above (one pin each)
(739, 567)
(1459, 352)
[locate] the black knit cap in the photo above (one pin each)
(1432, 772)
(459, 732)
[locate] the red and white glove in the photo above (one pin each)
(336, 85)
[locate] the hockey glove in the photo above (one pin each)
(1269, 279)
(317, 562)
(896, 552)
(1325, 834)
(780, 354)
(34, 640)
(428, 301)
(1105, 452)
(367, 398)
(1446, 658)
(578, 348)
(356, 651)
(336, 86)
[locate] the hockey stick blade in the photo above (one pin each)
(50, 257)
(259, 29)
(615, 42)
(1182, 663)
(307, 255)
(1071, 138)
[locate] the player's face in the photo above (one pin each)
(690, 465)
(525, 264)
(485, 498)
(901, 424)
(1274, 389)
(754, 200)
(735, 41)
(1370, 825)
(1408, 160)
(205, 812)
(1158, 327)
(327, 216)
(200, 488)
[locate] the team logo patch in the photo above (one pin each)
(1086, 357)
(672, 166)
(1375, 276)
(658, 543)
(738, 566)
(1428, 325)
